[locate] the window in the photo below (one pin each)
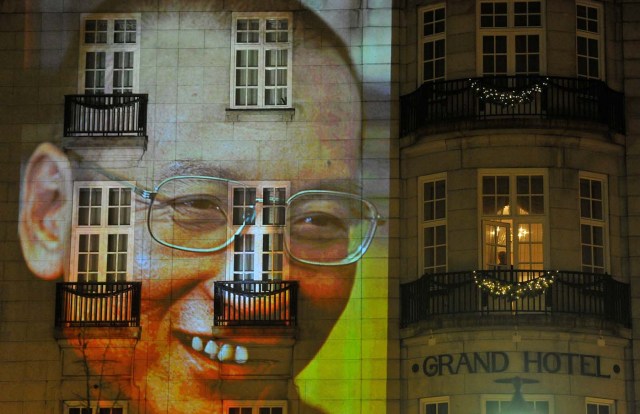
(102, 232)
(261, 61)
(600, 406)
(438, 405)
(433, 43)
(513, 209)
(593, 222)
(433, 218)
(109, 54)
(502, 405)
(258, 253)
(255, 407)
(101, 407)
(589, 41)
(510, 38)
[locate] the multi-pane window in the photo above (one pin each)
(102, 232)
(261, 61)
(593, 222)
(600, 406)
(433, 211)
(438, 405)
(513, 219)
(109, 47)
(589, 41)
(258, 251)
(255, 407)
(102, 407)
(510, 38)
(433, 43)
(504, 406)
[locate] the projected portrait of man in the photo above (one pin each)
(245, 205)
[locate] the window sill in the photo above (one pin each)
(260, 114)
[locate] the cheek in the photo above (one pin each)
(325, 288)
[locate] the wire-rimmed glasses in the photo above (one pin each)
(204, 214)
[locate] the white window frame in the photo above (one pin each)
(514, 220)
(510, 32)
(258, 229)
(433, 38)
(261, 46)
(254, 405)
(110, 48)
(598, 36)
(67, 405)
(436, 222)
(103, 230)
(592, 222)
(504, 398)
(600, 402)
(434, 400)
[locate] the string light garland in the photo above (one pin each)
(514, 290)
(507, 96)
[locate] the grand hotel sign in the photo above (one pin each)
(526, 361)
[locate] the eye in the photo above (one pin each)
(319, 225)
(197, 210)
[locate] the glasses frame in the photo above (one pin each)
(151, 194)
(364, 245)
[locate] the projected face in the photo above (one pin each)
(204, 216)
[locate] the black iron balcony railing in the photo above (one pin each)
(251, 303)
(515, 292)
(512, 97)
(105, 115)
(98, 304)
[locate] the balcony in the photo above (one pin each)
(256, 304)
(105, 115)
(511, 101)
(515, 292)
(98, 305)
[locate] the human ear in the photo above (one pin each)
(45, 208)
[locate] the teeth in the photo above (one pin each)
(211, 349)
(196, 343)
(222, 352)
(241, 354)
(226, 353)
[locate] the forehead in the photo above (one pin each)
(318, 139)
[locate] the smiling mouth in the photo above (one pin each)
(215, 350)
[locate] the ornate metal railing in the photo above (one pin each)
(515, 292)
(251, 303)
(105, 115)
(98, 304)
(512, 97)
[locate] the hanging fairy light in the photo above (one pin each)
(507, 96)
(514, 290)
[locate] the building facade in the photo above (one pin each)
(308, 206)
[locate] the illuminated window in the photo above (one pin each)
(101, 407)
(513, 208)
(433, 217)
(600, 406)
(255, 407)
(438, 405)
(258, 253)
(432, 43)
(510, 38)
(589, 40)
(261, 61)
(109, 54)
(593, 222)
(102, 232)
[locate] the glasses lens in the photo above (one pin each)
(329, 228)
(191, 213)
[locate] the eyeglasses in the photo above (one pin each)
(205, 214)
